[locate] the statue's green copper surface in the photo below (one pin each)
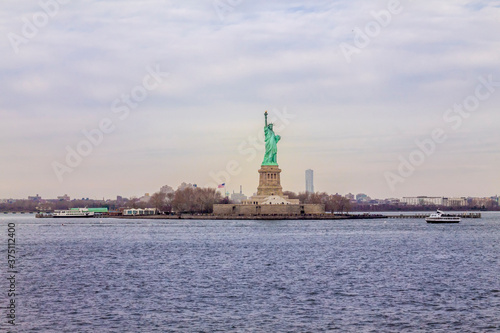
(271, 156)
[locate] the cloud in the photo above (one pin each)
(224, 74)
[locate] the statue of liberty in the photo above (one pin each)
(271, 156)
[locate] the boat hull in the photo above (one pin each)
(431, 220)
(72, 216)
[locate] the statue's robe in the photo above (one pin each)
(271, 156)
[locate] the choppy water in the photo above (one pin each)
(254, 276)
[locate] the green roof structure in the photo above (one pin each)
(95, 210)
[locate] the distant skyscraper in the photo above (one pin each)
(310, 181)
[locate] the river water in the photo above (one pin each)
(395, 275)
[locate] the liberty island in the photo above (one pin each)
(270, 200)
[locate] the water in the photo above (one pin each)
(399, 275)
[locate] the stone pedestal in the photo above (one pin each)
(270, 181)
(270, 191)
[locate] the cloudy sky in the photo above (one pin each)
(173, 91)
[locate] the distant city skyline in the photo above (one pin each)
(392, 100)
(358, 202)
(240, 195)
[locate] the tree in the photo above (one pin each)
(181, 200)
(303, 197)
(313, 198)
(291, 195)
(338, 203)
(133, 202)
(158, 200)
(195, 200)
(346, 205)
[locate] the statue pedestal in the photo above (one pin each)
(270, 191)
(270, 181)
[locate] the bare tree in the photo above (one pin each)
(338, 203)
(291, 195)
(195, 200)
(158, 200)
(133, 202)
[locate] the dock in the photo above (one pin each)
(360, 216)
(352, 216)
(17, 213)
(423, 216)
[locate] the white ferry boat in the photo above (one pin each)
(440, 217)
(80, 212)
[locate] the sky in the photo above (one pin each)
(388, 98)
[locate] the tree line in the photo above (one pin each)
(191, 200)
(334, 203)
(195, 200)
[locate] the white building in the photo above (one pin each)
(455, 202)
(139, 211)
(277, 200)
(63, 197)
(238, 197)
(423, 201)
(145, 198)
(167, 189)
(185, 185)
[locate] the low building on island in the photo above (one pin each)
(139, 211)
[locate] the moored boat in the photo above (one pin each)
(80, 212)
(440, 217)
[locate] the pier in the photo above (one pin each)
(17, 213)
(424, 215)
(353, 216)
(359, 216)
